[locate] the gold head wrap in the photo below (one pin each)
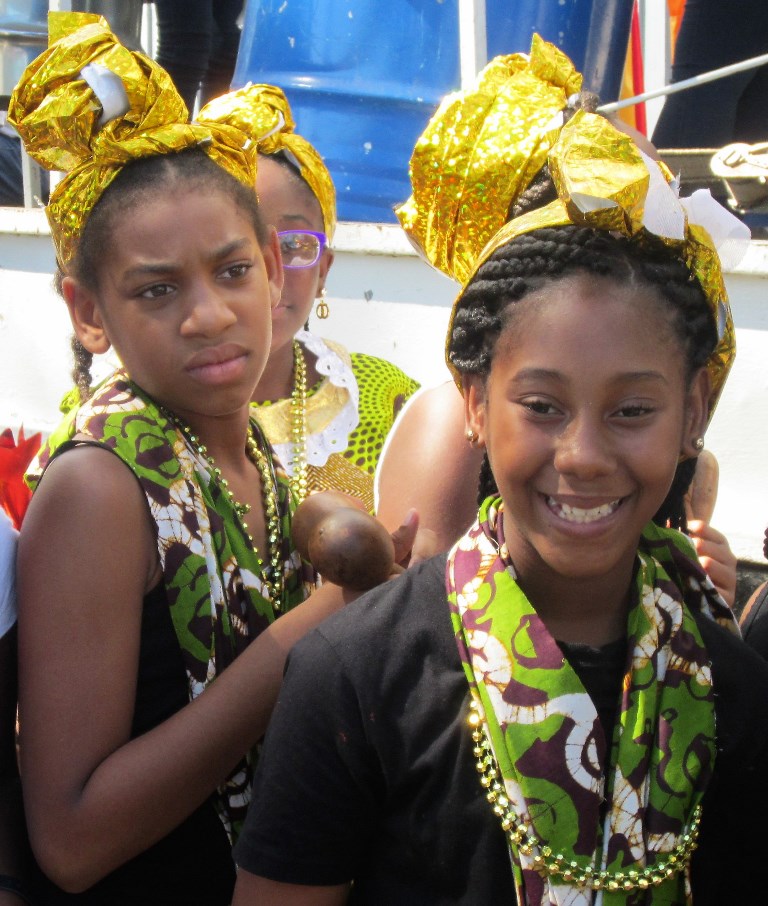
(87, 106)
(603, 181)
(480, 150)
(263, 113)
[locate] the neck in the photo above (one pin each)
(276, 382)
(223, 436)
(590, 612)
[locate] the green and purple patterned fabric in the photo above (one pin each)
(213, 577)
(556, 765)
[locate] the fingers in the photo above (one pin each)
(404, 537)
(716, 557)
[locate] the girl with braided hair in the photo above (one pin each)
(560, 711)
(155, 556)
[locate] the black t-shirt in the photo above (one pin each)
(367, 772)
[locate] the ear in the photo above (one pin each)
(85, 315)
(696, 414)
(273, 262)
(475, 406)
(326, 260)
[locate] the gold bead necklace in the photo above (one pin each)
(545, 862)
(273, 571)
(299, 423)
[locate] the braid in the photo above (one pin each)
(486, 486)
(533, 259)
(81, 373)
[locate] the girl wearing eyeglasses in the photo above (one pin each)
(325, 410)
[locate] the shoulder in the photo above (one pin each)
(400, 619)
(740, 680)
(88, 508)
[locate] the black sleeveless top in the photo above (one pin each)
(193, 865)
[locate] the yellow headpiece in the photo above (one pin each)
(263, 113)
(603, 181)
(88, 106)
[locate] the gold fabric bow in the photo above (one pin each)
(263, 113)
(87, 106)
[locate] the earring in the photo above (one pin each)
(471, 437)
(321, 309)
(698, 443)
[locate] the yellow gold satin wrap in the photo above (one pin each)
(263, 113)
(58, 116)
(480, 150)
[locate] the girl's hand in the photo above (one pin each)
(716, 556)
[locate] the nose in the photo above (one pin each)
(208, 312)
(584, 449)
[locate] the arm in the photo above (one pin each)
(429, 465)
(86, 558)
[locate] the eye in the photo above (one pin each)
(539, 406)
(237, 271)
(634, 410)
(156, 291)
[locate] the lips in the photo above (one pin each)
(582, 515)
(215, 355)
(218, 364)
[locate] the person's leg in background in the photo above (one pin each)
(185, 41)
(226, 42)
(714, 34)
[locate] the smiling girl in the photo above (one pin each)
(155, 554)
(560, 711)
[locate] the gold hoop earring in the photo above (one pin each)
(471, 437)
(321, 309)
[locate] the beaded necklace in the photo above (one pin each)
(273, 573)
(547, 862)
(299, 423)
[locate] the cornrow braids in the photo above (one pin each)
(536, 258)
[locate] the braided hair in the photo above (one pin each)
(533, 259)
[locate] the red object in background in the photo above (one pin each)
(638, 79)
(14, 459)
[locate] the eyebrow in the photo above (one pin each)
(296, 218)
(165, 267)
(547, 374)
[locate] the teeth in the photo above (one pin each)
(577, 514)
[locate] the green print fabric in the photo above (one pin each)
(214, 578)
(556, 765)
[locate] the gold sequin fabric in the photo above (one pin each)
(484, 146)
(88, 106)
(603, 182)
(263, 113)
(480, 150)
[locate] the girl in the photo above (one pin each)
(326, 411)
(561, 711)
(155, 552)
